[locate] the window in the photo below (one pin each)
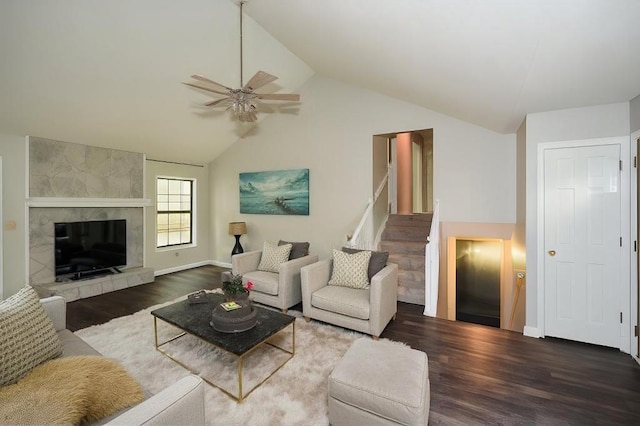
(175, 212)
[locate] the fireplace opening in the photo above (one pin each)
(478, 273)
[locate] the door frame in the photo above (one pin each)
(635, 233)
(624, 291)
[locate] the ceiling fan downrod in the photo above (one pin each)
(242, 2)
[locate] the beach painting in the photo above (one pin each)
(284, 192)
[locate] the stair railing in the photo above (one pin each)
(432, 264)
(364, 235)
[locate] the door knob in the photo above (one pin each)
(552, 252)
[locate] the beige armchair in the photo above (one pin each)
(365, 310)
(280, 290)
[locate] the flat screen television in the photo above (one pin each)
(87, 248)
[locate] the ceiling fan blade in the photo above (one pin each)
(260, 79)
(216, 102)
(206, 80)
(206, 89)
(279, 96)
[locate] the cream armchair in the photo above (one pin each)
(365, 310)
(280, 290)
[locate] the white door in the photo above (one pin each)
(582, 206)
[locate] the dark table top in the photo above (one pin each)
(195, 319)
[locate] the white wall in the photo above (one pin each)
(331, 134)
(12, 150)
(170, 260)
(554, 126)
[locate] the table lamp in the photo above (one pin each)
(237, 229)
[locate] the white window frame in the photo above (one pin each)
(194, 218)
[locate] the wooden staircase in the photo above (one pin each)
(405, 238)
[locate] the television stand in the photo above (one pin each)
(91, 274)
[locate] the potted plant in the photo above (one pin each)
(234, 290)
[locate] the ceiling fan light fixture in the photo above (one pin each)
(243, 101)
(243, 104)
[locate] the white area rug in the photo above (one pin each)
(295, 395)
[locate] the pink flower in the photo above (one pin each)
(249, 286)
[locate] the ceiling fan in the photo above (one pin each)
(243, 102)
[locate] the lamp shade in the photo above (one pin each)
(237, 228)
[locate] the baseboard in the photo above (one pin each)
(532, 331)
(221, 264)
(188, 266)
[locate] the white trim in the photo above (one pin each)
(627, 244)
(221, 264)
(144, 211)
(633, 287)
(191, 266)
(378, 239)
(174, 247)
(194, 214)
(432, 263)
(87, 202)
(532, 331)
(625, 230)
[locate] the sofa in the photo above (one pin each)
(367, 310)
(180, 404)
(278, 287)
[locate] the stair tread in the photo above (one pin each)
(409, 223)
(404, 242)
(405, 238)
(408, 255)
(414, 216)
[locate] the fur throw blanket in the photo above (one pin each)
(69, 391)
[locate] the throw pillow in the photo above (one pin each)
(376, 264)
(350, 270)
(27, 336)
(69, 390)
(273, 256)
(298, 249)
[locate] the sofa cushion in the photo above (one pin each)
(27, 336)
(298, 249)
(273, 255)
(263, 282)
(72, 345)
(377, 262)
(342, 300)
(350, 270)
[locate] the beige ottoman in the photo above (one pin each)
(379, 383)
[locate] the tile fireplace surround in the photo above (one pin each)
(73, 182)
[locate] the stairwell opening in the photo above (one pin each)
(478, 272)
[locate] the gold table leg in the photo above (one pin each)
(240, 397)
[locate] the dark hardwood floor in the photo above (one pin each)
(479, 374)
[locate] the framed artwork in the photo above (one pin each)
(284, 192)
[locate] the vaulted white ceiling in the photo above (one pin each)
(108, 73)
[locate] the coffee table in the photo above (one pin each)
(194, 319)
